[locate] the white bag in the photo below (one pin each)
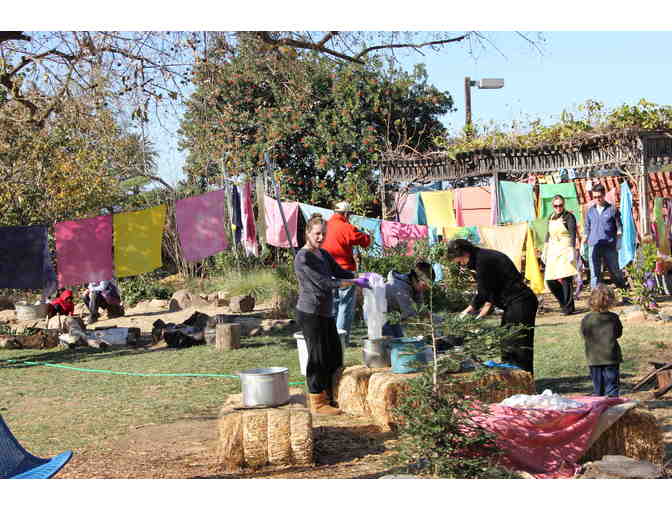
(375, 306)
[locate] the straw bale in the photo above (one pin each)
(383, 394)
(493, 386)
(279, 446)
(301, 436)
(636, 434)
(278, 436)
(353, 389)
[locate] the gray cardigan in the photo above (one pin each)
(317, 274)
(401, 295)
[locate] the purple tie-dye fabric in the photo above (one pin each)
(200, 225)
(22, 257)
(84, 250)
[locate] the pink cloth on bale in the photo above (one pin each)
(394, 232)
(275, 230)
(200, 225)
(249, 237)
(405, 205)
(473, 206)
(545, 443)
(84, 250)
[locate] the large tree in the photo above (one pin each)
(324, 123)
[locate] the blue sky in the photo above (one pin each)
(612, 67)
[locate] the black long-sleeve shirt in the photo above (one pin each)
(317, 273)
(569, 221)
(497, 279)
(600, 331)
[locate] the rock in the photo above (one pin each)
(619, 466)
(9, 342)
(636, 316)
(241, 304)
(6, 303)
(184, 299)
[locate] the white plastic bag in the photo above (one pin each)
(547, 400)
(375, 306)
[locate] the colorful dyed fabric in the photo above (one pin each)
(539, 231)
(23, 263)
(662, 229)
(469, 233)
(200, 225)
(308, 210)
(532, 270)
(249, 237)
(137, 240)
(405, 206)
(507, 239)
(438, 206)
(275, 230)
(84, 250)
(370, 226)
(566, 191)
(516, 202)
(473, 206)
(628, 244)
(394, 232)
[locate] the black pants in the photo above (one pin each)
(563, 291)
(607, 255)
(606, 380)
(519, 350)
(325, 353)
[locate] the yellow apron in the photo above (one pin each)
(560, 260)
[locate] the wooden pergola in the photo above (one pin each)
(635, 152)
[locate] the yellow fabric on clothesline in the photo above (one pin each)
(532, 270)
(508, 239)
(137, 240)
(439, 208)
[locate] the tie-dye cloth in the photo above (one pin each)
(372, 227)
(393, 233)
(507, 239)
(249, 238)
(405, 206)
(200, 225)
(275, 230)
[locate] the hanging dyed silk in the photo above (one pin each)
(565, 190)
(516, 202)
(372, 227)
(661, 227)
(405, 207)
(438, 207)
(249, 236)
(137, 240)
(23, 262)
(308, 210)
(539, 231)
(393, 233)
(473, 206)
(628, 244)
(200, 225)
(275, 230)
(507, 239)
(84, 250)
(532, 270)
(471, 234)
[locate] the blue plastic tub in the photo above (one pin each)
(406, 353)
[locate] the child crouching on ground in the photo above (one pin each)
(600, 330)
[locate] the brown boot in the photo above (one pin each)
(319, 404)
(332, 391)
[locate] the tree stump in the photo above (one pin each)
(227, 336)
(252, 438)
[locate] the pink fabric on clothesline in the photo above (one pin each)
(405, 205)
(200, 225)
(473, 206)
(393, 232)
(249, 237)
(275, 231)
(546, 444)
(84, 250)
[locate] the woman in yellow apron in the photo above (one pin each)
(560, 256)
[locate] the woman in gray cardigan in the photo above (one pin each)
(318, 275)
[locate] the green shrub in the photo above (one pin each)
(143, 287)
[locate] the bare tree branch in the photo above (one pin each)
(409, 45)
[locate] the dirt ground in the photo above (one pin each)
(345, 447)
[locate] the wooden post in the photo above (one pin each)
(495, 190)
(383, 209)
(227, 336)
(643, 191)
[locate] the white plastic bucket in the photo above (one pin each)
(303, 348)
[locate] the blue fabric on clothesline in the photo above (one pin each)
(494, 364)
(22, 257)
(420, 216)
(308, 210)
(370, 226)
(628, 244)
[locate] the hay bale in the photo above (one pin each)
(277, 436)
(492, 386)
(636, 435)
(383, 394)
(353, 389)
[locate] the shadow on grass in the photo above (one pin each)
(577, 384)
(78, 355)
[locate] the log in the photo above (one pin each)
(253, 438)
(227, 336)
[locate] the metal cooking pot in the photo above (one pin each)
(376, 352)
(265, 386)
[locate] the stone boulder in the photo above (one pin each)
(183, 299)
(620, 467)
(241, 304)
(6, 303)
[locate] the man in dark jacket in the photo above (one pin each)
(603, 230)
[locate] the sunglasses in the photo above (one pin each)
(558, 206)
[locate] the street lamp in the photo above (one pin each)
(484, 83)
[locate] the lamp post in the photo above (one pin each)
(484, 83)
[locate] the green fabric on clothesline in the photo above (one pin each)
(568, 191)
(516, 202)
(539, 230)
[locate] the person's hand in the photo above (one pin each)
(464, 313)
(366, 275)
(362, 282)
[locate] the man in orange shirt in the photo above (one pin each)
(341, 237)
